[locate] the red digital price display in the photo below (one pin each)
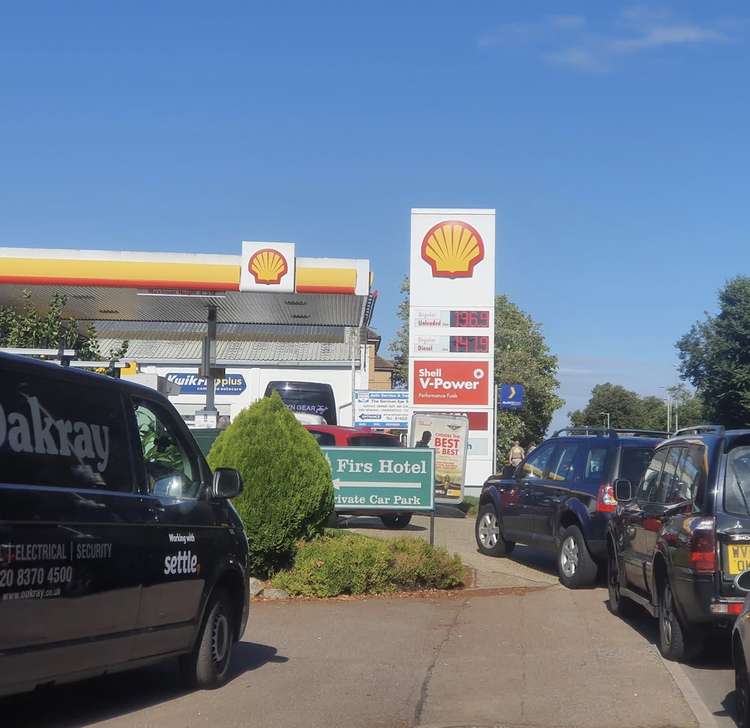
(470, 319)
(470, 344)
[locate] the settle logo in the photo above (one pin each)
(268, 266)
(452, 249)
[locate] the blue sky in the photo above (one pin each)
(613, 142)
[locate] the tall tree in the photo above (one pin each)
(523, 357)
(715, 356)
(400, 344)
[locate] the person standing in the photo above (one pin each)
(516, 454)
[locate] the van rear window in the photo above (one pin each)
(55, 434)
(737, 482)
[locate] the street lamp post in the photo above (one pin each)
(669, 409)
(605, 414)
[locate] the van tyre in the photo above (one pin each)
(675, 641)
(207, 666)
(489, 535)
(619, 605)
(396, 520)
(574, 563)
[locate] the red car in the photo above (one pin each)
(337, 436)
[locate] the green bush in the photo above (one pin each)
(288, 492)
(347, 563)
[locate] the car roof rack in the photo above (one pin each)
(700, 430)
(609, 432)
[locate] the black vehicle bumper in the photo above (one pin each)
(698, 601)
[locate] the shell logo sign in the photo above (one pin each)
(268, 266)
(452, 249)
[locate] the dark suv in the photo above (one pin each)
(561, 497)
(681, 536)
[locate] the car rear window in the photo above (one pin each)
(737, 482)
(57, 434)
(374, 441)
(633, 463)
(323, 438)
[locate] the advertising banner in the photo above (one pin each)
(448, 436)
(510, 396)
(193, 384)
(389, 410)
(449, 383)
(381, 478)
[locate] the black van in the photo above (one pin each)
(118, 547)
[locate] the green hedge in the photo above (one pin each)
(288, 492)
(347, 563)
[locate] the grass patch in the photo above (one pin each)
(348, 563)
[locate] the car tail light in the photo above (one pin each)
(733, 608)
(606, 501)
(703, 545)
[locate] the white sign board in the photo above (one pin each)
(452, 324)
(389, 410)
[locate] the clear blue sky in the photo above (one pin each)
(613, 143)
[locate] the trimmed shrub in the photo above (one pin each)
(347, 563)
(288, 493)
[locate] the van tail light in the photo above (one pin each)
(703, 545)
(605, 500)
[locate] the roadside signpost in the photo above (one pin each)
(511, 396)
(383, 479)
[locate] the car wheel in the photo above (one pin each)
(489, 535)
(741, 691)
(619, 605)
(207, 666)
(396, 520)
(675, 641)
(574, 563)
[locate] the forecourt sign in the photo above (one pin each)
(384, 409)
(452, 325)
(381, 478)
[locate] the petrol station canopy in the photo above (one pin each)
(269, 304)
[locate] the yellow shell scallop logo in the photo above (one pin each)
(267, 266)
(452, 249)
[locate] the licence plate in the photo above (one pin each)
(738, 558)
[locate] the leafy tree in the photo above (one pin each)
(288, 492)
(715, 356)
(523, 357)
(629, 410)
(400, 345)
(30, 329)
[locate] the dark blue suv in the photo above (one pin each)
(561, 497)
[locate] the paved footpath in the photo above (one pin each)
(520, 652)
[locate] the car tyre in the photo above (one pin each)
(619, 605)
(396, 520)
(574, 563)
(207, 666)
(489, 535)
(741, 690)
(676, 643)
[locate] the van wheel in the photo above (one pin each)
(675, 641)
(207, 666)
(396, 520)
(574, 563)
(488, 534)
(619, 605)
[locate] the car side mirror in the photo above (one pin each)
(623, 490)
(742, 581)
(227, 483)
(508, 471)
